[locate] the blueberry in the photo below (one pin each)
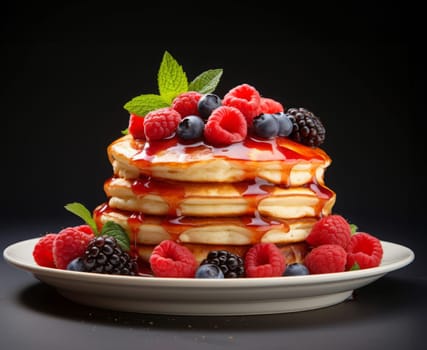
(190, 128)
(76, 265)
(266, 125)
(209, 271)
(285, 124)
(207, 104)
(296, 269)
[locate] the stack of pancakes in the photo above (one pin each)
(207, 198)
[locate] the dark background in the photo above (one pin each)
(68, 69)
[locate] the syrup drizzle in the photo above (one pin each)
(176, 225)
(251, 149)
(249, 155)
(252, 191)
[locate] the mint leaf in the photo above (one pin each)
(112, 229)
(206, 82)
(125, 131)
(81, 211)
(145, 103)
(355, 267)
(353, 228)
(171, 78)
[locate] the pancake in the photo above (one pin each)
(156, 197)
(279, 160)
(206, 197)
(240, 230)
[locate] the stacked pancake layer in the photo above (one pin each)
(208, 197)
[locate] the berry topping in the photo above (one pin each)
(364, 250)
(225, 126)
(209, 271)
(70, 243)
(161, 123)
(266, 125)
(170, 259)
(270, 106)
(326, 258)
(190, 128)
(104, 255)
(285, 124)
(230, 264)
(136, 126)
(296, 269)
(264, 260)
(331, 229)
(246, 99)
(307, 128)
(186, 103)
(207, 104)
(42, 252)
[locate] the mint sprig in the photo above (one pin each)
(82, 212)
(145, 103)
(113, 229)
(171, 78)
(206, 82)
(355, 267)
(172, 81)
(110, 228)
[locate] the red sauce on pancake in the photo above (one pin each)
(251, 149)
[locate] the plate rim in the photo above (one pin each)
(37, 270)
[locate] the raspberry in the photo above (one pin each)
(326, 258)
(365, 250)
(161, 123)
(42, 251)
(85, 229)
(70, 243)
(225, 126)
(186, 103)
(246, 99)
(331, 229)
(270, 106)
(136, 126)
(170, 259)
(264, 260)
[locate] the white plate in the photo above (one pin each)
(187, 296)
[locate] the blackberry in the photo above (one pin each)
(104, 255)
(307, 128)
(230, 264)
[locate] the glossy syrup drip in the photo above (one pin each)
(172, 192)
(323, 193)
(176, 225)
(252, 191)
(251, 149)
